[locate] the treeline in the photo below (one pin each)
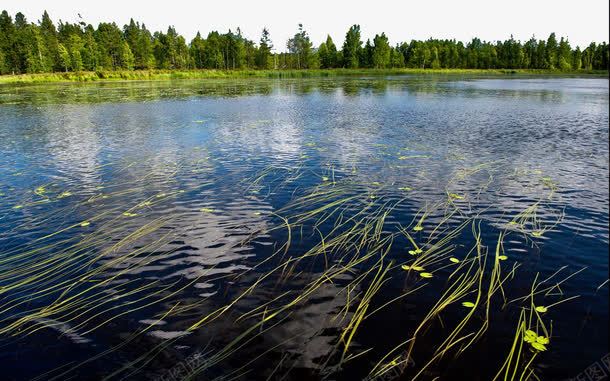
(28, 47)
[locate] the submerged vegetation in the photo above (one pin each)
(43, 47)
(344, 238)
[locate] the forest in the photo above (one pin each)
(44, 47)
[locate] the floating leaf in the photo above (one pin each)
(65, 194)
(257, 213)
(454, 260)
(418, 251)
(376, 183)
(455, 196)
(206, 210)
(129, 214)
(372, 196)
(17, 206)
(412, 252)
(417, 268)
(541, 309)
(425, 275)
(530, 336)
(468, 304)
(537, 233)
(542, 340)
(529, 332)
(502, 257)
(405, 267)
(540, 347)
(85, 223)
(324, 178)
(40, 190)
(405, 189)
(418, 228)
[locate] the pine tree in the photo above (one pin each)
(564, 55)
(49, 34)
(381, 51)
(551, 51)
(300, 45)
(352, 47)
(577, 59)
(64, 57)
(264, 58)
(7, 50)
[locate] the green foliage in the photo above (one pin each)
(352, 47)
(64, 57)
(301, 47)
(45, 47)
(264, 58)
(327, 52)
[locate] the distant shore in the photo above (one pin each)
(91, 76)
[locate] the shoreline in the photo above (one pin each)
(127, 75)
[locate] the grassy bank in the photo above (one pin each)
(204, 74)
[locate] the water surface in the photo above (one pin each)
(256, 229)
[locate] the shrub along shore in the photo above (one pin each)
(123, 75)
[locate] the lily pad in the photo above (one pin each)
(541, 309)
(454, 260)
(425, 275)
(468, 304)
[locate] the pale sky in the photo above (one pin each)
(582, 22)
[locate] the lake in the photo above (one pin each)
(408, 227)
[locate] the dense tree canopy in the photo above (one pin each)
(43, 46)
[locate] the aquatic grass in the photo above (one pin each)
(355, 243)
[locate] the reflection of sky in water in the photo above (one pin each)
(199, 145)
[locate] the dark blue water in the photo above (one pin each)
(256, 229)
